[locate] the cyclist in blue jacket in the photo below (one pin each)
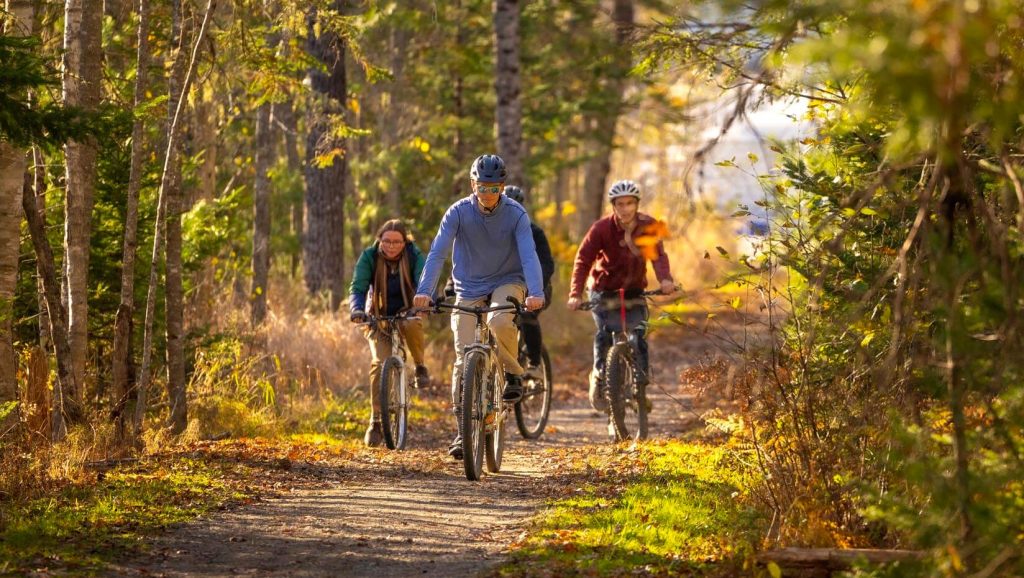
(493, 257)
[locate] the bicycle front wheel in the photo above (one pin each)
(394, 408)
(474, 407)
(532, 411)
(626, 400)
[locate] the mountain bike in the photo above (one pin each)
(481, 412)
(627, 396)
(532, 411)
(392, 386)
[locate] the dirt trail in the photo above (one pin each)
(412, 514)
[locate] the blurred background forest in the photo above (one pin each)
(185, 186)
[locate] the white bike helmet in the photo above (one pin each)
(624, 188)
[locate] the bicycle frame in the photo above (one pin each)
(481, 411)
(624, 389)
(387, 328)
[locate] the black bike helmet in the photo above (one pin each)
(515, 193)
(488, 169)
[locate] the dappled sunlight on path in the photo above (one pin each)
(413, 513)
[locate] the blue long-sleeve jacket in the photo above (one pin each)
(489, 250)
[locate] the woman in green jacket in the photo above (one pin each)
(387, 273)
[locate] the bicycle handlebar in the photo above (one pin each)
(514, 306)
(401, 315)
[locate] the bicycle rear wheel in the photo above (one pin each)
(394, 409)
(532, 411)
(496, 436)
(474, 404)
(626, 401)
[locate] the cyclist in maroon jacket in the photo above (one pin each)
(614, 256)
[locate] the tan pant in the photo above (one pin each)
(502, 324)
(380, 349)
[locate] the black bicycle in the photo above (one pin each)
(481, 412)
(392, 387)
(532, 411)
(626, 394)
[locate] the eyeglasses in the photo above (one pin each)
(488, 189)
(391, 243)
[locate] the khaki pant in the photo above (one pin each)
(380, 349)
(502, 324)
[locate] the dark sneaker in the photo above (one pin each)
(422, 378)
(374, 435)
(642, 378)
(598, 395)
(513, 388)
(455, 449)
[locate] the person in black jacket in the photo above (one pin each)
(530, 325)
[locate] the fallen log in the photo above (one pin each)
(823, 561)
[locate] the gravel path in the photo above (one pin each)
(407, 514)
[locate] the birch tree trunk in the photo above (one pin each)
(507, 86)
(261, 214)
(82, 78)
(174, 291)
(12, 180)
(163, 207)
(323, 242)
(121, 357)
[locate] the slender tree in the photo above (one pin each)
(507, 86)
(261, 214)
(323, 242)
(82, 78)
(174, 302)
(163, 207)
(121, 357)
(66, 409)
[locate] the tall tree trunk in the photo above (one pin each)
(509, 111)
(174, 303)
(39, 187)
(261, 215)
(121, 357)
(12, 180)
(323, 244)
(82, 78)
(66, 409)
(13, 161)
(18, 22)
(603, 126)
(164, 206)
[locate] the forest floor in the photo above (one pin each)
(413, 513)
